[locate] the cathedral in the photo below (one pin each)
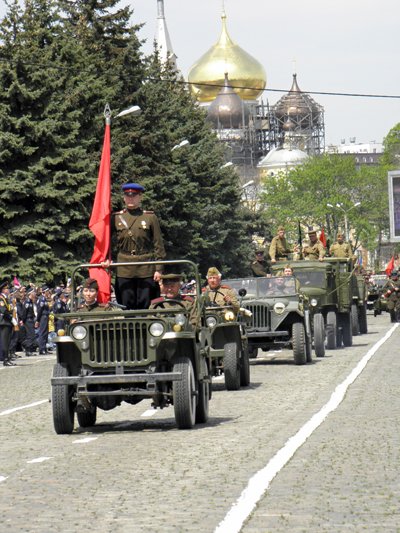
(260, 139)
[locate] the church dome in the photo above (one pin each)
(282, 159)
(228, 110)
(226, 56)
(297, 108)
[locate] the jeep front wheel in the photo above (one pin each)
(204, 396)
(299, 343)
(62, 404)
(88, 418)
(184, 394)
(319, 335)
(231, 366)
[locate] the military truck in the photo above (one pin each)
(229, 351)
(328, 286)
(280, 316)
(107, 357)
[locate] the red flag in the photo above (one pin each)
(99, 223)
(390, 266)
(322, 237)
(16, 283)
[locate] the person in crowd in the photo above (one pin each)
(28, 318)
(279, 249)
(6, 324)
(42, 319)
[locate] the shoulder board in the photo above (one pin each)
(225, 287)
(148, 212)
(119, 212)
(161, 299)
(104, 305)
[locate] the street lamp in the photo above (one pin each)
(135, 109)
(345, 211)
(226, 165)
(185, 142)
(251, 182)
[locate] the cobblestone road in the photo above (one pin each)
(132, 473)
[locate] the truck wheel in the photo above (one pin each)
(231, 366)
(299, 343)
(362, 319)
(331, 330)
(184, 394)
(319, 335)
(203, 398)
(245, 369)
(88, 418)
(355, 327)
(62, 404)
(347, 335)
(309, 357)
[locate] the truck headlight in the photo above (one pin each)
(313, 302)
(79, 333)
(211, 321)
(279, 307)
(156, 329)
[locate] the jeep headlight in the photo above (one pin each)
(313, 302)
(279, 307)
(229, 316)
(211, 321)
(180, 320)
(156, 329)
(79, 333)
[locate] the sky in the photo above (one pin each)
(346, 46)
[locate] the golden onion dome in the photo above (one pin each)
(246, 74)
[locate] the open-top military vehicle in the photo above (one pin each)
(279, 316)
(106, 357)
(328, 286)
(375, 292)
(229, 352)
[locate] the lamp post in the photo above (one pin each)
(345, 211)
(183, 143)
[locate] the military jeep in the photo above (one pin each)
(328, 286)
(228, 346)
(375, 290)
(107, 357)
(279, 318)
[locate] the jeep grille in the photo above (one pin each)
(113, 343)
(260, 315)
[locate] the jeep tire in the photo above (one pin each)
(184, 394)
(62, 404)
(231, 366)
(331, 330)
(299, 343)
(319, 334)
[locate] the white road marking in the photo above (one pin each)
(39, 460)
(3, 478)
(260, 482)
(148, 413)
(84, 441)
(14, 409)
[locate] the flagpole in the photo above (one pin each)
(107, 118)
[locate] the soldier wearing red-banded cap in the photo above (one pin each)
(138, 239)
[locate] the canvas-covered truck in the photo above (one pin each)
(280, 316)
(106, 358)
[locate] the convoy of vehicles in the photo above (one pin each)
(162, 354)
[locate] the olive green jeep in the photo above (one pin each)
(107, 357)
(229, 352)
(279, 316)
(328, 286)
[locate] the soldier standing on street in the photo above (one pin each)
(314, 249)
(341, 248)
(391, 291)
(260, 266)
(28, 320)
(279, 249)
(6, 324)
(42, 319)
(59, 308)
(138, 239)
(217, 294)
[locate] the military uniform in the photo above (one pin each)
(391, 292)
(217, 297)
(341, 250)
(96, 306)
(314, 251)
(42, 320)
(279, 249)
(260, 267)
(6, 327)
(28, 319)
(138, 239)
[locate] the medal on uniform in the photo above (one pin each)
(144, 226)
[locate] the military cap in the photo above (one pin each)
(4, 283)
(260, 251)
(171, 277)
(281, 228)
(311, 230)
(213, 271)
(340, 234)
(29, 290)
(132, 188)
(91, 283)
(45, 288)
